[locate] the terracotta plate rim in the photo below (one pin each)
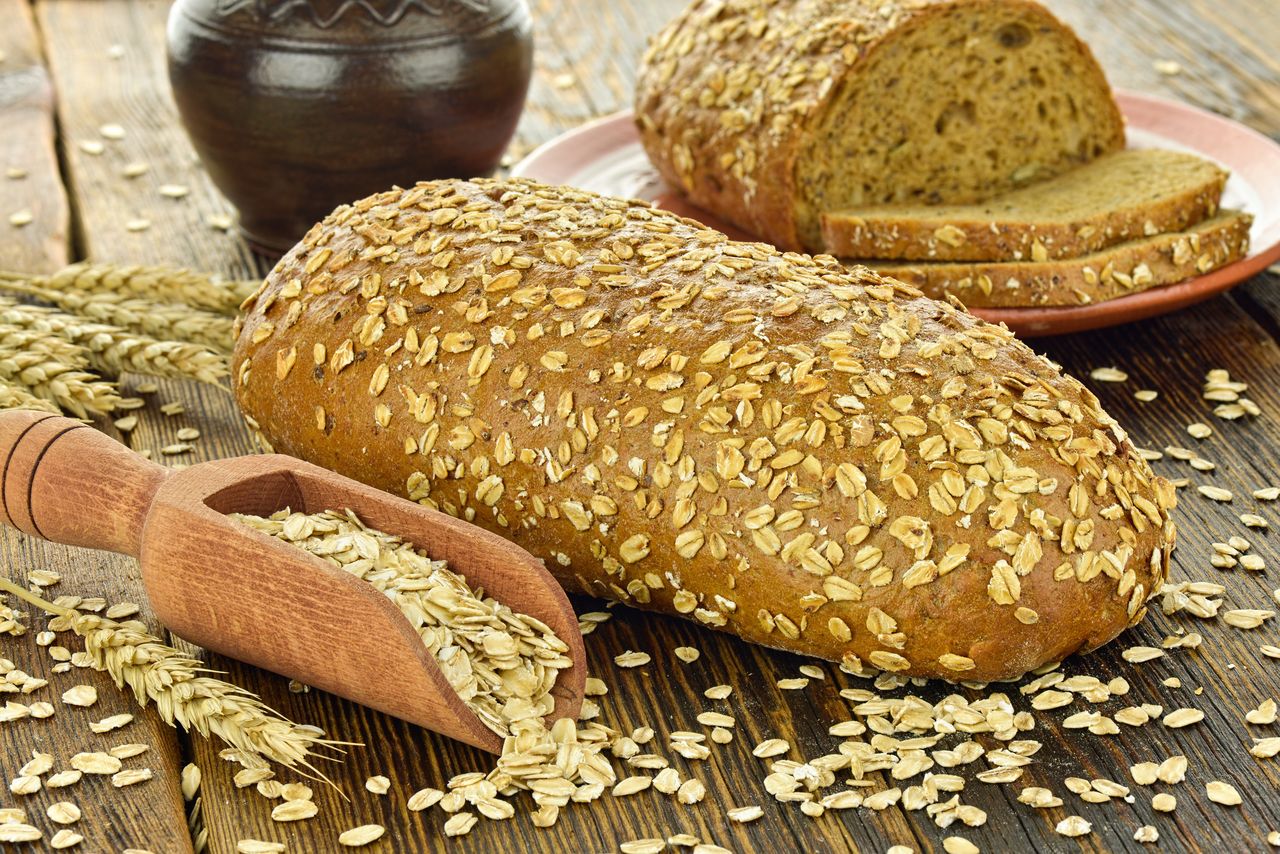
(1151, 119)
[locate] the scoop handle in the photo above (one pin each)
(64, 481)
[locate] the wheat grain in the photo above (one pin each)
(502, 664)
(112, 350)
(160, 320)
(164, 284)
(183, 696)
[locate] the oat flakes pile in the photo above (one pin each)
(502, 664)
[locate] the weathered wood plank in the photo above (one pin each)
(29, 178)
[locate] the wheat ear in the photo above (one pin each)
(176, 684)
(113, 350)
(160, 320)
(163, 284)
(48, 376)
(35, 340)
(18, 397)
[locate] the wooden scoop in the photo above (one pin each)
(237, 591)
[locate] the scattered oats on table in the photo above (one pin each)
(687, 654)
(1264, 714)
(1215, 493)
(111, 722)
(95, 763)
(130, 777)
(1074, 825)
(631, 659)
(294, 811)
(362, 835)
(1222, 793)
(128, 751)
(1109, 375)
(259, 846)
(63, 812)
(65, 838)
(459, 824)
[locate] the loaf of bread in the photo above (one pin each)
(1117, 271)
(809, 457)
(771, 112)
(1117, 198)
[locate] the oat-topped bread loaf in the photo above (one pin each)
(1119, 197)
(809, 457)
(770, 112)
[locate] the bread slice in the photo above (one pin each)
(1118, 197)
(1127, 268)
(770, 112)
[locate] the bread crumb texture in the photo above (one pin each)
(811, 457)
(771, 112)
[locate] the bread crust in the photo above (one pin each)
(1127, 268)
(733, 147)
(809, 457)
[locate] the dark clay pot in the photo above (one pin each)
(298, 106)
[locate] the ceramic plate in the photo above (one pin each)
(606, 156)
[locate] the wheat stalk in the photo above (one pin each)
(164, 321)
(113, 350)
(47, 376)
(163, 284)
(18, 397)
(176, 684)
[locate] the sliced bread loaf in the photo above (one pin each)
(1116, 198)
(769, 112)
(1148, 262)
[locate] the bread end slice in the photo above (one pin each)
(1115, 199)
(1149, 262)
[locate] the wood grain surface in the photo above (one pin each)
(587, 53)
(29, 179)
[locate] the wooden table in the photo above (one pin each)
(105, 61)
